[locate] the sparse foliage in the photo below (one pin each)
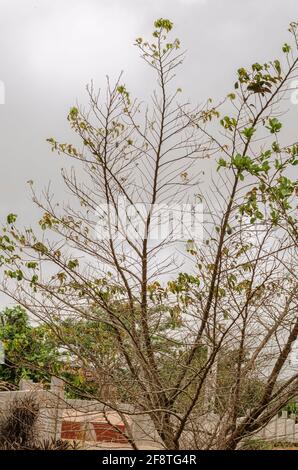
(167, 329)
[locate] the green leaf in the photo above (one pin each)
(277, 66)
(286, 48)
(274, 125)
(163, 24)
(73, 113)
(72, 264)
(11, 218)
(221, 163)
(32, 265)
(248, 132)
(40, 247)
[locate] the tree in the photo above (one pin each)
(251, 389)
(29, 351)
(35, 352)
(170, 328)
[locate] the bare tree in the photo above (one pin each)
(202, 353)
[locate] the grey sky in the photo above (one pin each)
(50, 49)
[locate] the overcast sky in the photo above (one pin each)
(50, 49)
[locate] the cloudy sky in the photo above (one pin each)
(50, 49)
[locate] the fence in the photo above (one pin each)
(281, 428)
(50, 406)
(84, 420)
(91, 421)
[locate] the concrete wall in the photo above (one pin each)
(53, 405)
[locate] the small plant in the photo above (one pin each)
(17, 426)
(292, 409)
(256, 444)
(283, 444)
(57, 445)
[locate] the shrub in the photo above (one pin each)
(17, 425)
